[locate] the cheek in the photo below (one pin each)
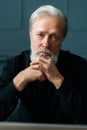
(32, 42)
(34, 45)
(55, 50)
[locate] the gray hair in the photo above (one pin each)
(49, 11)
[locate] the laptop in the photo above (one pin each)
(38, 126)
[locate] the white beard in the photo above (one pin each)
(34, 55)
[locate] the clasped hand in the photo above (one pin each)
(46, 67)
(41, 69)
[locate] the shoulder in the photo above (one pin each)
(68, 56)
(18, 62)
(70, 60)
(20, 57)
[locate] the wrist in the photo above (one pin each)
(58, 82)
(19, 81)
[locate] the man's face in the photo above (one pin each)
(46, 36)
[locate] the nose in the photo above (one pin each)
(45, 42)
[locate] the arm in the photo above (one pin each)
(12, 81)
(8, 94)
(72, 90)
(25, 76)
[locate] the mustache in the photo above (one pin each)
(44, 51)
(34, 54)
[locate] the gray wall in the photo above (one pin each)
(14, 15)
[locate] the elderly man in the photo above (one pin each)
(45, 84)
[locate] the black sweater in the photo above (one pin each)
(45, 103)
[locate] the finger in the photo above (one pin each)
(33, 63)
(36, 66)
(42, 60)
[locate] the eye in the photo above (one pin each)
(40, 35)
(54, 38)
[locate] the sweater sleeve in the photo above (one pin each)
(8, 94)
(73, 97)
(70, 100)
